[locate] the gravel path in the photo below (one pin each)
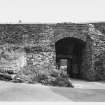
(83, 91)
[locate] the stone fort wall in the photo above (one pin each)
(38, 41)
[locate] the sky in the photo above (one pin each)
(52, 11)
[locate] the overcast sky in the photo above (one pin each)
(51, 11)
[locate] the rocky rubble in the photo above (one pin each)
(52, 77)
(40, 69)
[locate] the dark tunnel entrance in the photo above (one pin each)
(69, 53)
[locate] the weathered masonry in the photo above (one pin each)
(79, 47)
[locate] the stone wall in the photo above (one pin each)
(39, 40)
(98, 52)
(70, 30)
(41, 59)
(87, 71)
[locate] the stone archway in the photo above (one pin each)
(69, 52)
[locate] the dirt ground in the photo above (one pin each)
(83, 92)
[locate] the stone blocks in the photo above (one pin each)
(38, 41)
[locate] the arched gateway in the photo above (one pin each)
(74, 49)
(69, 53)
